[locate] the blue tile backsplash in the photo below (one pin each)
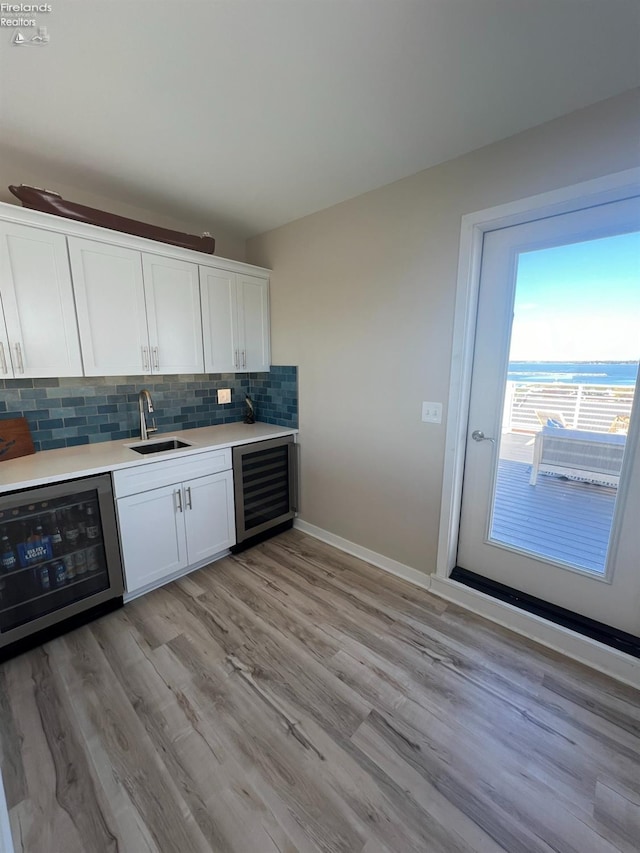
(275, 396)
(67, 412)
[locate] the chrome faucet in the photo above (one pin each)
(145, 396)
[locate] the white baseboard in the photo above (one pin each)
(583, 649)
(392, 566)
(576, 646)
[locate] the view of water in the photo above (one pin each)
(576, 372)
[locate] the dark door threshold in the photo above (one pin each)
(620, 640)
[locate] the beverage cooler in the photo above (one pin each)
(265, 480)
(59, 560)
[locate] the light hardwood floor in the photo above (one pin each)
(294, 698)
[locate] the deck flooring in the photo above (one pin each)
(560, 519)
(294, 698)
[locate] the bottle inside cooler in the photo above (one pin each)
(51, 554)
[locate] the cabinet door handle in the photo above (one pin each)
(3, 359)
(19, 361)
(156, 358)
(235, 359)
(187, 494)
(145, 359)
(244, 358)
(178, 496)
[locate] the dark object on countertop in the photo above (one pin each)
(15, 439)
(47, 201)
(250, 413)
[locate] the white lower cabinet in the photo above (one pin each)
(152, 535)
(209, 515)
(165, 530)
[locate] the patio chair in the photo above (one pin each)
(551, 419)
(620, 424)
(591, 457)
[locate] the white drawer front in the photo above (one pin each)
(130, 481)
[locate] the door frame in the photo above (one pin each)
(608, 188)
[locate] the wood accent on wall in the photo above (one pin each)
(15, 439)
(293, 698)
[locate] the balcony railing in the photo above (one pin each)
(590, 407)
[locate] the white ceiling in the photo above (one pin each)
(247, 114)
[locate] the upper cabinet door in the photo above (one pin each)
(37, 297)
(174, 320)
(6, 366)
(219, 326)
(253, 322)
(109, 290)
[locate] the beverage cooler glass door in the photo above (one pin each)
(265, 484)
(59, 554)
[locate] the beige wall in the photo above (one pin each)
(362, 299)
(15, 168)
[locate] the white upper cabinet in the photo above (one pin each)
(218, 295)
(112, 317)
(80, 300)
(137, 313)
(38, 334)
(253, 322)
(172, 294)
(235, 318)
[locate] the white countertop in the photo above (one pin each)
(67, 463)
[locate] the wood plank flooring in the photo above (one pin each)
(294, 698)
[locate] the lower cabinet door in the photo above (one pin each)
(209, 515)
(152, 535)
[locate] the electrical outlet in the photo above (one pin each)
(432, 413)
(224, 395)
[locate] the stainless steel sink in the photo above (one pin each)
(159, 446)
